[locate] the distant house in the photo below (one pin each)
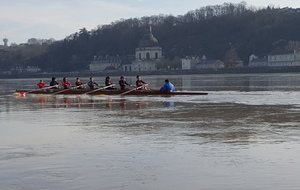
(32, 69)
(284, 60)
(275, 60)
(255, 61)
(239, 64)
(189, 63)
(105, 63)
(28, 69)
(210, 64)
(16, 69)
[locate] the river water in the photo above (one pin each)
(244, 134)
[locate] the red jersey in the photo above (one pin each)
(41, 85)
(66, 84)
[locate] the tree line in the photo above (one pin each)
(218, 32)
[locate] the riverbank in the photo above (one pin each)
(170, 72)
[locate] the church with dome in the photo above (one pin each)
(148, 55)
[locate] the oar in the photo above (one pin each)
(126, 92)
(97, 89)
(62, 91)
(23, 93)
(75, 87)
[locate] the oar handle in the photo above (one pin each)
(132, 90)
(98, 89)
(62, 91)
(54, 86)
(75, 87)
(47, 87)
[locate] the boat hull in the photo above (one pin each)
(109, 92)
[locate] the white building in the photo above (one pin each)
(210, 64)
(284, 60)
(104, 63)
(255, 61)
(189, 63)
(276, 60)
(33, 69)
(147, 55)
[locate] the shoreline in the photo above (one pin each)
(145, 73)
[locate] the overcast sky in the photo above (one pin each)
(44, 19)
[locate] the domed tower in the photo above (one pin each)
(148, 55)
(5, 40)
(148, 40)
(148, 48)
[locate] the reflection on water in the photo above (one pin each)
(67, 101)
(169, 104)
(243, 135)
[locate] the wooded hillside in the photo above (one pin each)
(213, 31)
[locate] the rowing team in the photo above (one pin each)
(140, 84)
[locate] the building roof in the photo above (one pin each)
(209, 62)
(148, 40)
(263, 59)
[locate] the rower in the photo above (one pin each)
(140, 84)
(54, 84)
(66, 84)
(92, 84)
(123, 83)
(79, 84)
(109, 83)
(41, 84)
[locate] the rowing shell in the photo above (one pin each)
(110, 92)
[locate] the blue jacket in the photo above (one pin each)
(167, 87)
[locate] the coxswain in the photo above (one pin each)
(168, 86)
